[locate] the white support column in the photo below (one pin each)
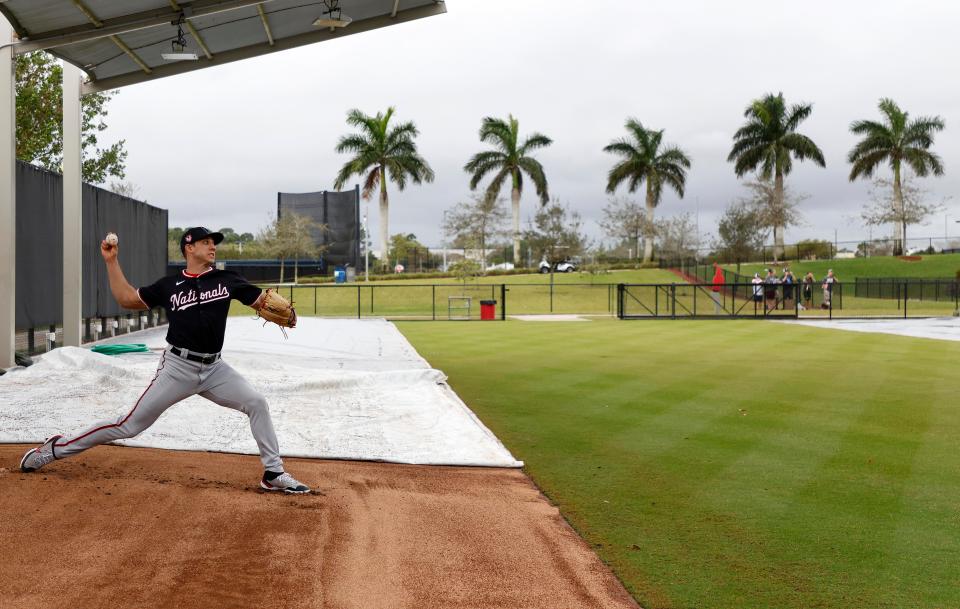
(8, 199)
(72, 209)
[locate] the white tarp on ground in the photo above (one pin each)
(338, 389)
(943, 328)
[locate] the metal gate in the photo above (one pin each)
(688, 301)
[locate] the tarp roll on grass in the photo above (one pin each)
(120, 348)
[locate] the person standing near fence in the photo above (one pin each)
(808, 281)
(718, 281)
(788, 282)
(828, 282)
(770, 289)
(757, 291)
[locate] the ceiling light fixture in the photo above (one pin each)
(178, 46)
(334, 17)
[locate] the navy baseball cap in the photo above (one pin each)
(192, 235)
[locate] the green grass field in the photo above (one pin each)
(529, 294)
(941, 266)
(734, 464)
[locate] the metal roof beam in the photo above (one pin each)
(88, 13)
(114, 39)
(266, 24)
(282, 44)
(131, 54)
(127, 23)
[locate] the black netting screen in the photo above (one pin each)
(339, 212)
(142, 230)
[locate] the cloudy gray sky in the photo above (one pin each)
(214, 147)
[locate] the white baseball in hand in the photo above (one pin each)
(111, 238)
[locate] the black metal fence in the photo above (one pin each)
(697, 272)
(944, 290)
(39, 249)
(703, 299)
(496, 301)
(39, 222)
(451, 301)
(726, 300)
(863, 297)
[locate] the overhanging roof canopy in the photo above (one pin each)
(120, 42)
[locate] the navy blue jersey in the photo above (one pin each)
(197, 305)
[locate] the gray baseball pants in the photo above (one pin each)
(178, 378)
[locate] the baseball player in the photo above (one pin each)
(197, 301)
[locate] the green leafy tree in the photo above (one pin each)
(741, 231)
(380, 152)
(814, 249)
(626, 221)
(292, 236)
(768, 142)
(475, 223)
(40, 121)
(510, 159)
(775, 208)
(556, 233)
(240, 245)
(406, 250)
(677, 236)
(895, 141)
(901, 203)
(173, 244)
(465, 270)
(645, 161)
(229, 235)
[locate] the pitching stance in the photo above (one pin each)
(197, 301)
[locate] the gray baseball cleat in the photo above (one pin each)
(284, 482)
(35, 458)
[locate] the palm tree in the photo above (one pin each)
(645, 161)
(895, 141)
(380, 152)
(767, 141)
(509, 160)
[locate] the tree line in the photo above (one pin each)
(288, 237)
(764, 150)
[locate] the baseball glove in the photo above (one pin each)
(277, 309)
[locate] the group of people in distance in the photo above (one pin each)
(765, 289)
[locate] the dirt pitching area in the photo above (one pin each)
(133, 527)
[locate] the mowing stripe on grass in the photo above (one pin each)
(734, 464)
